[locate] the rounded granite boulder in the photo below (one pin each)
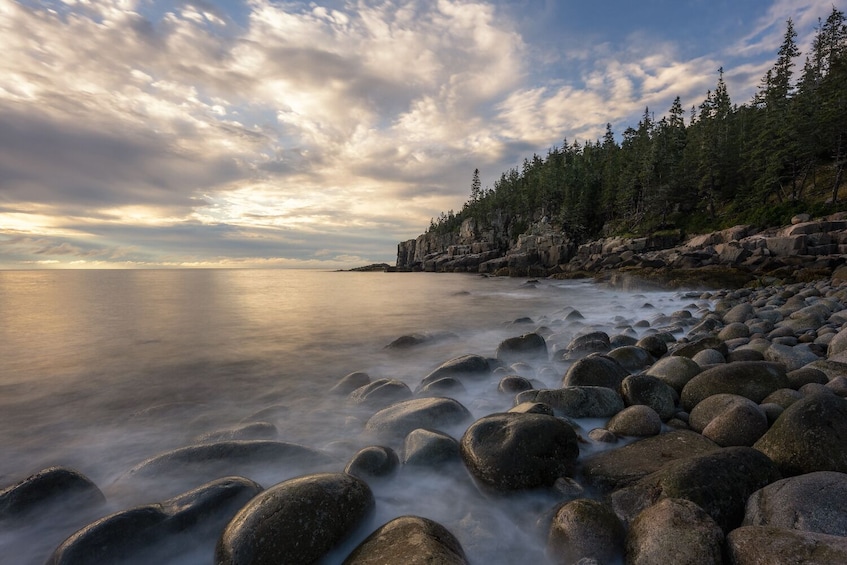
(373, 461)
(674, 371)
(296, 521)
(49, 487)
(636, 421)
(585, 529)
(595, 370)
(511, 451)
(675, 531)
(410, 540)
(751, 379)
(650, 391)
(527, 347)
(729, 419)
(436, 413)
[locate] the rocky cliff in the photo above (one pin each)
(814, 246)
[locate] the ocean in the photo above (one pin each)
(100, 370)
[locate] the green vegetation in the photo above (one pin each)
(758, 163)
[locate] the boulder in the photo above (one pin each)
(529, 346)
(295, 521)
(465, 367)
(532, 408)
(410, 540)
(380, 393)
(593, 342)
(696, 346)
(585, 529)
(246, 431)
(638, 421)
(136, 533)
(350, 382)
(51, 487)
(793, 357)
(649, 391)
(752, 379)
(373, 461)
(513, 384)
(674, 371)
(809, 436)
(397, 420)
(631, 357)
(764, 545)
(445, 386)
(611, 470)
(729, 419)
(577, 401)
(595, 370)
(708, 357)
(806, 375)
(814, 502)
(720, 482)
(427, 448)
(511, 451)
(655, 346)
(674, 531)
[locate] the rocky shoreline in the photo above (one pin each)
(806, 250)
(723, 439)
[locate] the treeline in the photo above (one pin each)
(780, 153)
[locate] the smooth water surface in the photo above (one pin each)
(100, 370)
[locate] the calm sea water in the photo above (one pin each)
(100, 370)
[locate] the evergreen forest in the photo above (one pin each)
(696, 170)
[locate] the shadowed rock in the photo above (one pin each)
(585, 529)
(762, 545)
(674, 531)
(751, 379)
(577, 401)
(373, 461)
(397, 420)
(49, 487)
(410, 540)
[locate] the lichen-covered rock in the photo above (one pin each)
(719, 482)
(585, 529)
(577, 401)
(134, 533)
(397, 420)
(637, 421)
(610, 470)
(814, 502)
(751, 379)
(810, 435)
(512, 451)
(373, 461)
(296, 521)
(766, 545)
(650, 391)
(729, 419)
(49, 487)
(674, 531)
(410, 540)
(597, 371)
(529, 346)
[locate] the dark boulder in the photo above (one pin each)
(134, 534)
(674, 371)
(465, 367)
(765, 545)
(637, 421)
(719, 482)
(445, 386)
(751, 379)
(350, 382)
(513, 384)
(51, 487)
(577, 401)
(529, 346)
(810, 435)
(427, 448)
(729, 419)
(409, 540)
(580, 346)
(373, 461)
(631, 357)
(674, 531)
(595, 370)
(397, 420)
(380, 393)
(585, 529)
(649, 391)
(513, 451)
(296, 521)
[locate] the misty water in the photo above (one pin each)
(100, 370)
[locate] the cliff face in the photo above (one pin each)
(543, 250)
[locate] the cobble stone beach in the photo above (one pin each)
(715, 432)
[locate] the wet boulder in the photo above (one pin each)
(694, 347)
(793, 357)
(674, 371)
(397, 420)
(814, 502)
(510, 451)
(473, 367)
(577, 401)
(380, 393)
(751, 379)
(532, 408)
(654, 345)
(611, 470)
(719, 482)
(649, 391)
(585, 529)
(760, 545)
(445, 386)
(582, 345)
(245, 431)
(674, 531)
(729, 419)
(427, 448)
(529, 346)
(49, 488)
(296, 521)
(135, 533)
(513, 384)
(637, 421)
(410, 540)
(631, 357)
(595, 370)
(810, 435)
(803, 376)
(349, 383)
(373, 461)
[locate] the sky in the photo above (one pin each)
(263, 133)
